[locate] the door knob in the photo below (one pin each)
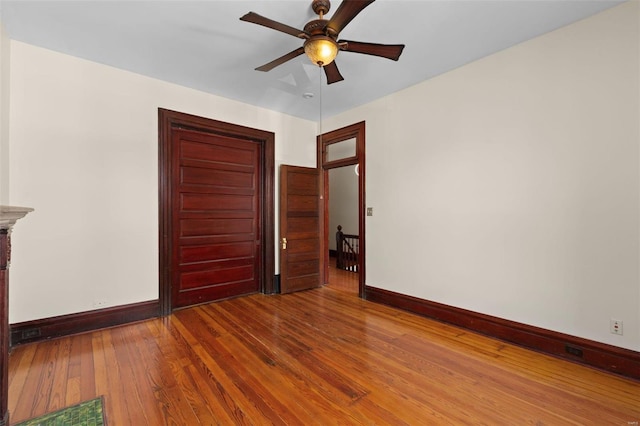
(284, 243)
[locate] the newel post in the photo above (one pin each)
(339, 244)
(8, 217)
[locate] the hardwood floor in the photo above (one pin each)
(342, 280)
(318, 357)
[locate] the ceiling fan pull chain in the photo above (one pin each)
(320, 99)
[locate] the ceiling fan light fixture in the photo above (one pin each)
(321, 50)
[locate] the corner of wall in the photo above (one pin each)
(4, 115)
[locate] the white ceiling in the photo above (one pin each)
(203, 44)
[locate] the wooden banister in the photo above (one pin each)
(347, 251)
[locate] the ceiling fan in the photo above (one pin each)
(320, 35)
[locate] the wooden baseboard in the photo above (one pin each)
(276, 284)
(606, 357)
(64, 325)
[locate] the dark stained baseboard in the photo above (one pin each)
(276, 283)
(64, 325)
(606, 357)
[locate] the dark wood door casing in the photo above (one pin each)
(357, 132)
(167, 122)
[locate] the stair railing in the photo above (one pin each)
(347, 251)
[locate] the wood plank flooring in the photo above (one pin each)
(319, 357)
(342, 280)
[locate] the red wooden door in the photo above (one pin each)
(216, 220)
(300, 256)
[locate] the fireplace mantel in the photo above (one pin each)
(9, 215)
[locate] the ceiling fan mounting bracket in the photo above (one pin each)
(321, 7)
(331, 32)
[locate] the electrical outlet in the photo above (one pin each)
(573, 350)
(31, 333)
(616, 326)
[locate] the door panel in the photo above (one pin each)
(300, 226)
(214, 227)
(214, 202)
(216, 222)
(215, 252)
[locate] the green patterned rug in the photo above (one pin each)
(88, 413)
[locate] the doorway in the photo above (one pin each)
(216, 186)
(344, 149)
(344, 239)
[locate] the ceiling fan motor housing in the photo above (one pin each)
(316, 27)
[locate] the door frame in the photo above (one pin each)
(357, 132)
(169, 120)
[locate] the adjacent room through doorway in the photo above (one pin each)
(344, 241)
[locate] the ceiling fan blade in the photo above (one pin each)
(274, 25)
(281, 60)
(389, 51)
(347, 10)
(332, 73)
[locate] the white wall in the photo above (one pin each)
(4, 114)
(84, 144)
(510, 186)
